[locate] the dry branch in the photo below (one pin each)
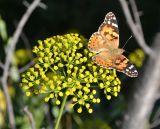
(146, 89)
(30, 117)
(1, 65)
(24, 68)
(135, 27)
(145, 93)
(136, 16)
(10, 50)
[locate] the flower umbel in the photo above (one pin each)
(63, 66)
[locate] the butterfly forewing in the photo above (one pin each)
(109, 30)
(97, 43)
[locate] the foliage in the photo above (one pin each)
(137, 57)
(3, 30)
(98, 124)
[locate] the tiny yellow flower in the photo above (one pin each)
(30, 84)
(51, 95)
(60, 65)
(81, 102)
(79, 110)
(80, 93)
(94, 100)
(108, 97)
(115, 94)
(74, 99)
(28, 93)
(58, 102)
(90, 110)
(24, 80)
(55, 68)
(108, 89)
(69, 79)
(37, 82)
(87, 105)
(98, 100)
(94, 92)
(60, 94)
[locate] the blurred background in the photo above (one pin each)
(61, 17)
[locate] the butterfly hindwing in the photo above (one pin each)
(103, 59)
(120, 63)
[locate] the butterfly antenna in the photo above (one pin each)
(127, 41)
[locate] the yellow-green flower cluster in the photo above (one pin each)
(137, 57)
(63, 66)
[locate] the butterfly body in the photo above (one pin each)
(105, 43)
(115, 51)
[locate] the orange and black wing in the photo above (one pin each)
(120, 63)
(97, 43)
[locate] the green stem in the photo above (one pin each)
(60, 112)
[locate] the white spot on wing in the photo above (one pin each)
(135, 71)
(131, 67)
(114, 18)
(115, 25)
(127, 70)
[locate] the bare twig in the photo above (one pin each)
(30, 117)
(155, 123)
(1, 65)
(48, 115)
(26, 3)
(42, 5)
(156, 119)
(21, 70)
(24, 39)
(11, 47)
(139, 109)
(135, 28)
(136, 15)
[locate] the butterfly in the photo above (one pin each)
(105, 43)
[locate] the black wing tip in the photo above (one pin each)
(131, 71)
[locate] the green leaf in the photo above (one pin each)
(3, 30)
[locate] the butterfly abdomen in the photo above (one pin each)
(115, 51)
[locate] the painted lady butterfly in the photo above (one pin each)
(105, 43)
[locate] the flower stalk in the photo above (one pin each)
(60, 112)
